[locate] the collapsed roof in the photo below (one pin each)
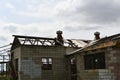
(32, 40)
(113, 40)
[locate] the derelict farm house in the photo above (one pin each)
(39, 58)
(99, 60)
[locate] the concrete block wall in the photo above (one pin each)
(30, 63)
(111, 72)
(17, 55)
(113, 61)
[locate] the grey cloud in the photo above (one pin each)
(2, 38)
(78, 28)
(94, 11)
(92, 28)
(10, 28)
(101, 11)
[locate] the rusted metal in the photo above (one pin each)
(59, 40)
(97, 37)
(4, 59)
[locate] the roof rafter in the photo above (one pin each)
(31, 40)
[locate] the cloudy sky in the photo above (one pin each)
(77, 19)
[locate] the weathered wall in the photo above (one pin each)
(31, 63)
(113, 61)
(17, 55)
(111, 72)
(69, 50)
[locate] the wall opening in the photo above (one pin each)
(94, 61)
(47, 63)
(73, 69)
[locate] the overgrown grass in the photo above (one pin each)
(5, 78)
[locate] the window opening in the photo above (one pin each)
(94, 61)
(47, 63)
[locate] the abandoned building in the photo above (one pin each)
(39, 58)
(99, 60)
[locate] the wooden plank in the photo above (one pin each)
(102, 45)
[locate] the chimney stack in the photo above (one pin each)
(97, 35)
(59, 39)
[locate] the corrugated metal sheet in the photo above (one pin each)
(80, 43)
